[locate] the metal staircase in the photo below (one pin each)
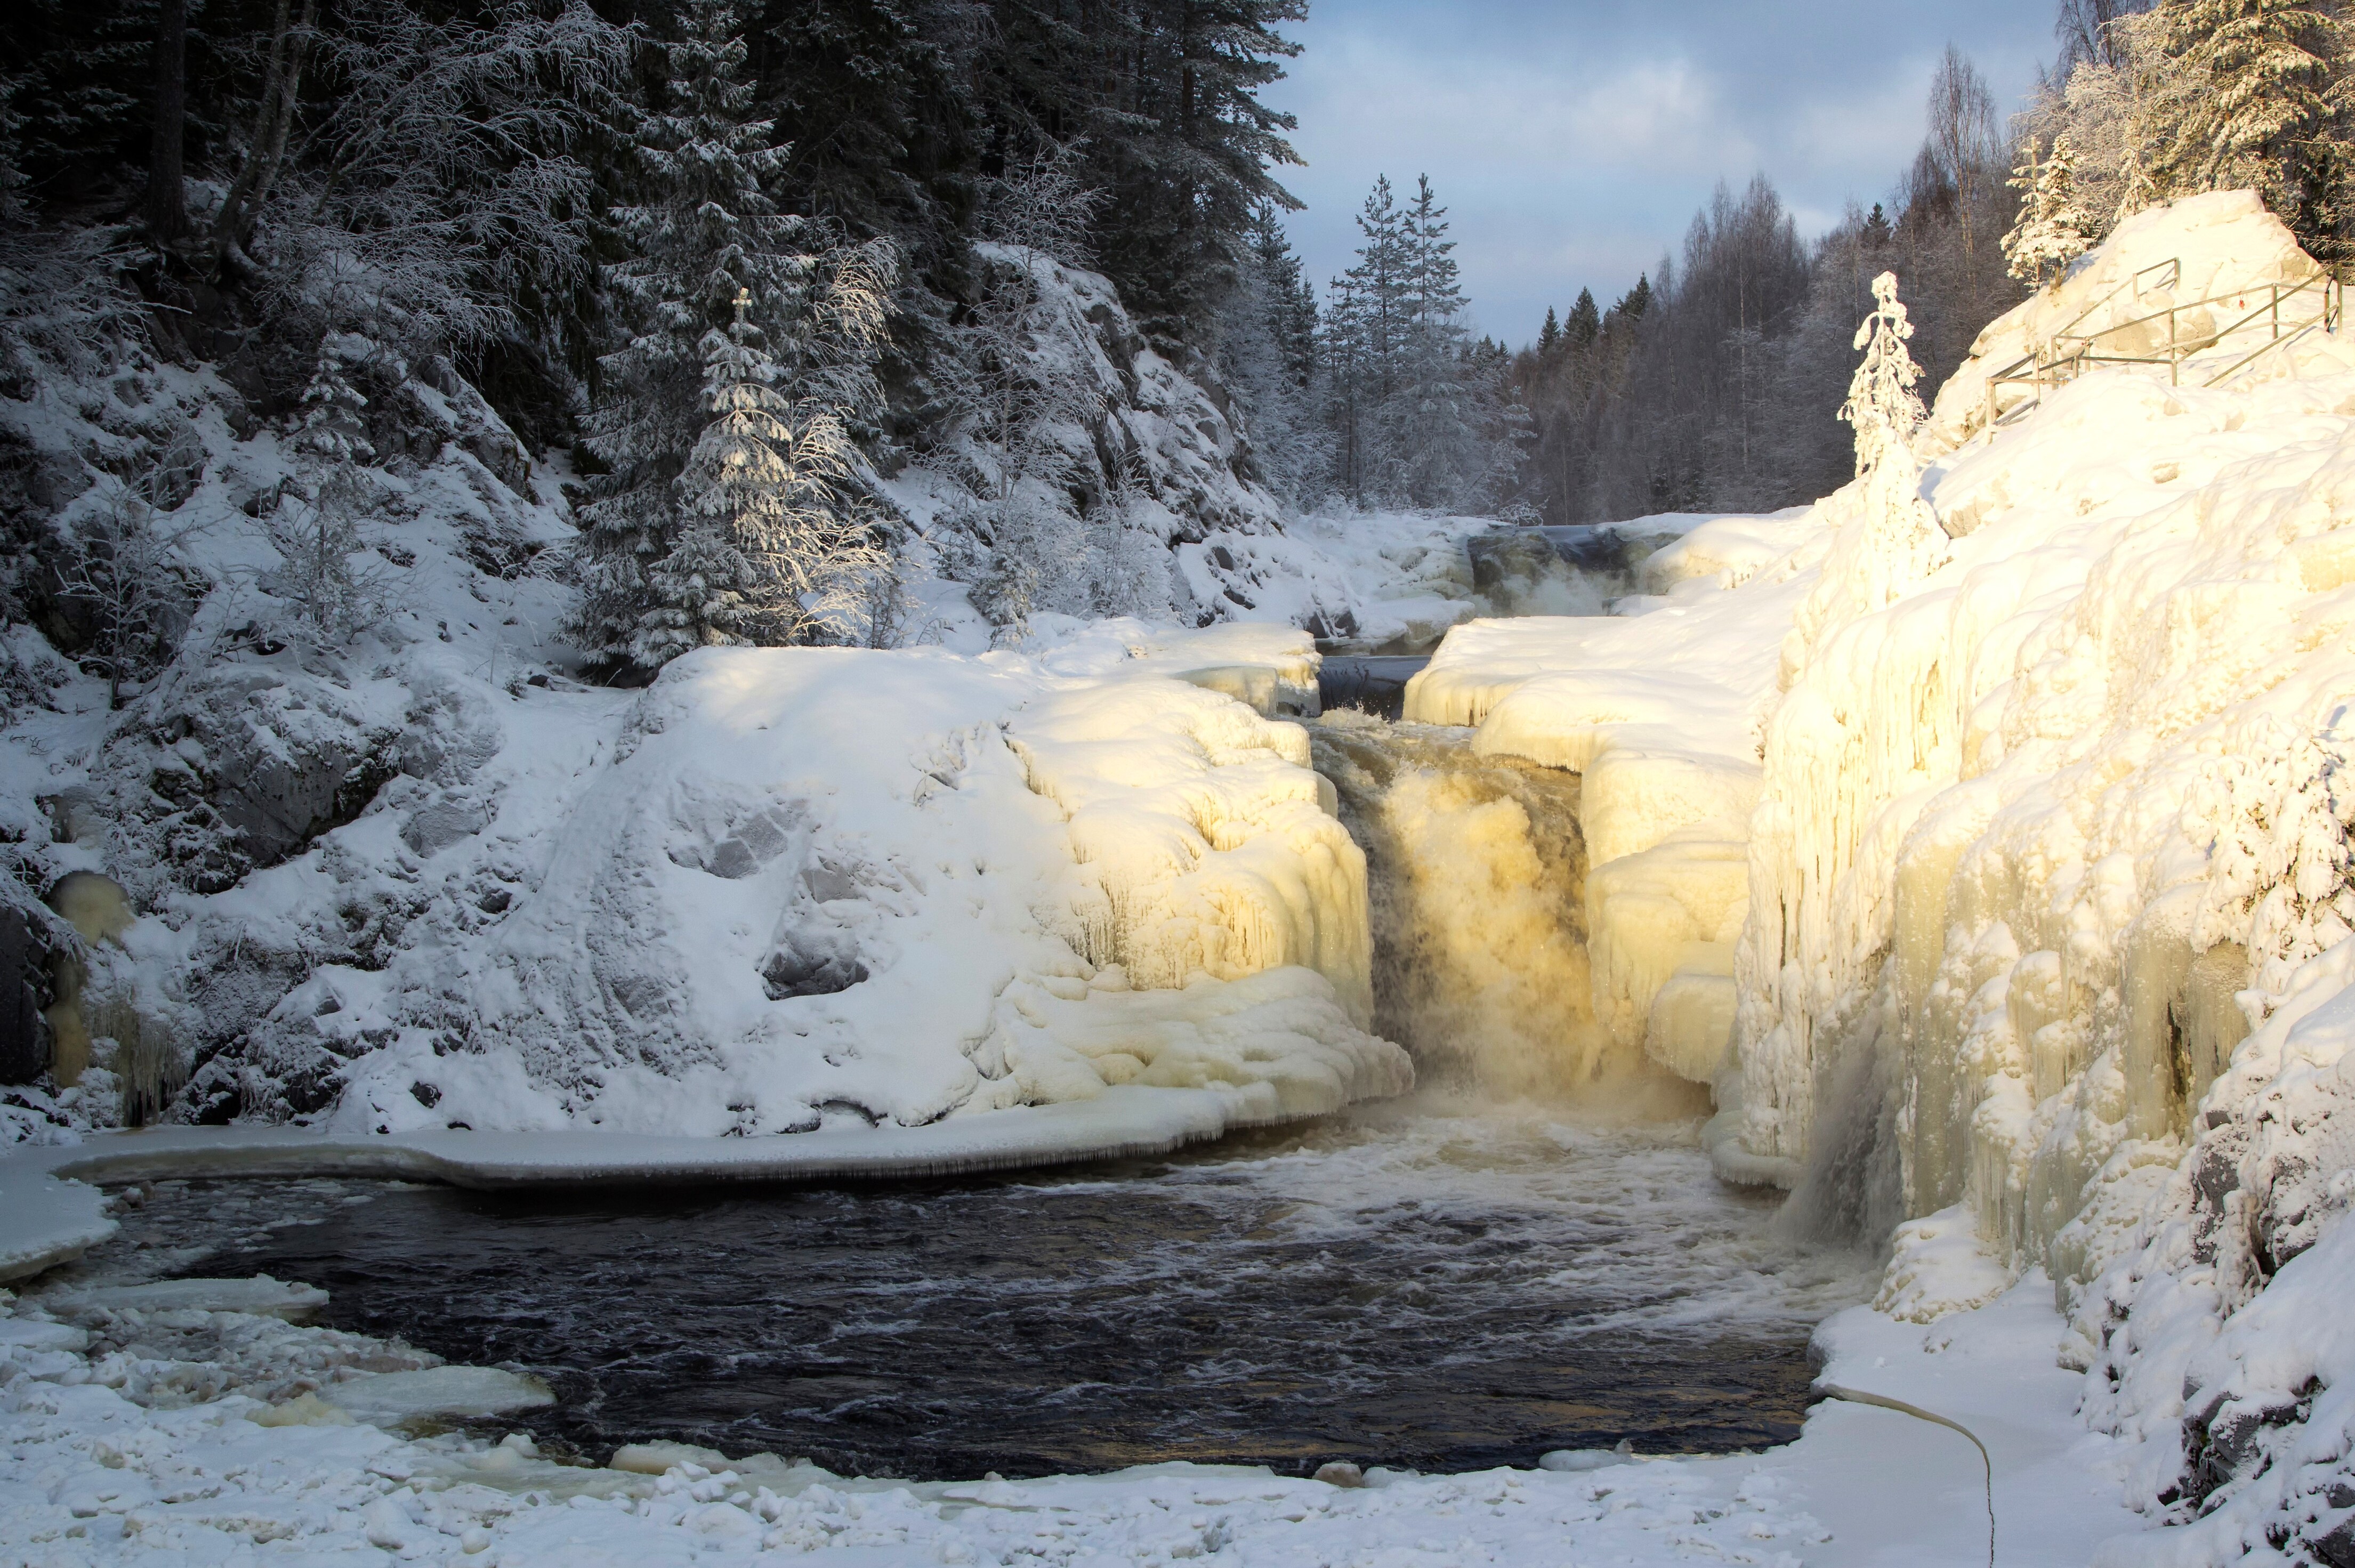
(2273, 315)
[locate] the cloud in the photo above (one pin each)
(1574, 140)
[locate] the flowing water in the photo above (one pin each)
(1529, 1254)
(1435, 1286)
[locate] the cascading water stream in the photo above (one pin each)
(1477, 872)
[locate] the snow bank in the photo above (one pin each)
(2222, 247)
(827, 885)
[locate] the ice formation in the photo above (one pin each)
(809, 885)
(1659, 712)
(2037, 820)
(1477, 869)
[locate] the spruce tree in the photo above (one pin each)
(717, 272)
(2053, 229)
(766, 543)
(1267, 352)
(1549, 335)
(1896, 540)
(2266, 74)
(1440, 450)
(703, 231)
(1585, 323)
(1882, 405)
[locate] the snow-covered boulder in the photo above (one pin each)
(2214, 256)
(804, 886)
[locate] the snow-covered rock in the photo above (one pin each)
(826, 884)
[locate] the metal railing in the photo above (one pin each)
(2316, 304)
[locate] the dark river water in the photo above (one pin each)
(1423, 1285)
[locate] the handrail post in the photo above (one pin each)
(2174, 364)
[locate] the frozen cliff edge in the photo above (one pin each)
(2048, 871)
(2048, 830)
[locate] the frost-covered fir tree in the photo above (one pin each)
(1267, 352)
(1415, 414)
(1883, 405)
(2263, 75)
(1366, 322)
(316, 528)
(2053, 229)
(1889, 539)
(704, 235)
(1438, 414)
(771, 541)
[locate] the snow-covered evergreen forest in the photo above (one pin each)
(594, 217)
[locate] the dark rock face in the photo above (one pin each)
(27, 950)
(812, 961)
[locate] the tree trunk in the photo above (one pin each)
(289, 39)
(167, 211)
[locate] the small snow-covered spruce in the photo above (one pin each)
(703, 231)
(1882, 405)
(316, 528)
(2053, 230)
(121, 569)
(772, 539)
(1892, 539)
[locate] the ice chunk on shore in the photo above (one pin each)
(389, 1399)
(262, 1296)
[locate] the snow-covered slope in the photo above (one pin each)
(425, 876)
(2048, 876)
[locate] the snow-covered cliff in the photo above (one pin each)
(2047, 880)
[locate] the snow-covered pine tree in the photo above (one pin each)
(1341, 338)
(315, 529)
(2264, 75)
(772, 542)
(1440, 418)
(1267, 354)
(1370, 309)
(1883, 405)
(2053, 229)
(703, 231)
(1897, 541)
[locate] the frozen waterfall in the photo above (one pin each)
(1477, 872)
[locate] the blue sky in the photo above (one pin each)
(1574, 140)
